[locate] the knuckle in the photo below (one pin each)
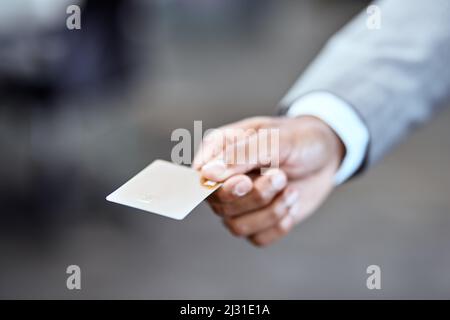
(236, 229)
(262, 197)
(283, 228)
(232, 225)
(276, 212)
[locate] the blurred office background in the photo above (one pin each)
(83, 111)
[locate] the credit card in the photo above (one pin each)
(166, 189)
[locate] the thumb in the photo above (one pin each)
(259, 150)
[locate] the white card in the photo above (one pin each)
(164, 188)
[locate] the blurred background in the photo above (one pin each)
(82, 111)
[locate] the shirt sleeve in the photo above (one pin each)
(345, 122)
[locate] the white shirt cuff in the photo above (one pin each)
(345, 122)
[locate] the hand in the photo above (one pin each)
(263, 208)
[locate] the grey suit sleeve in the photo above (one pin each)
(396, 77)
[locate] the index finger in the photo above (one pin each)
(256, 151)
(216, 140)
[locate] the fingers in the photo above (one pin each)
(313, 192)
(215, 143)
(232, 189)
(235, 197)
(211, 146)
(216, 140)
(265, 208)
(253, 151)
(279, 230)
(259, 220)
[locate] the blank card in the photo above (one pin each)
(166, 189)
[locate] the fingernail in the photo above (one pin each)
(278, 181)
(286, 222)
(214, 168)
(291, 198)
(293, 210)
(241, 189)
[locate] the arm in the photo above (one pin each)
(381, 83)
(395, 78)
